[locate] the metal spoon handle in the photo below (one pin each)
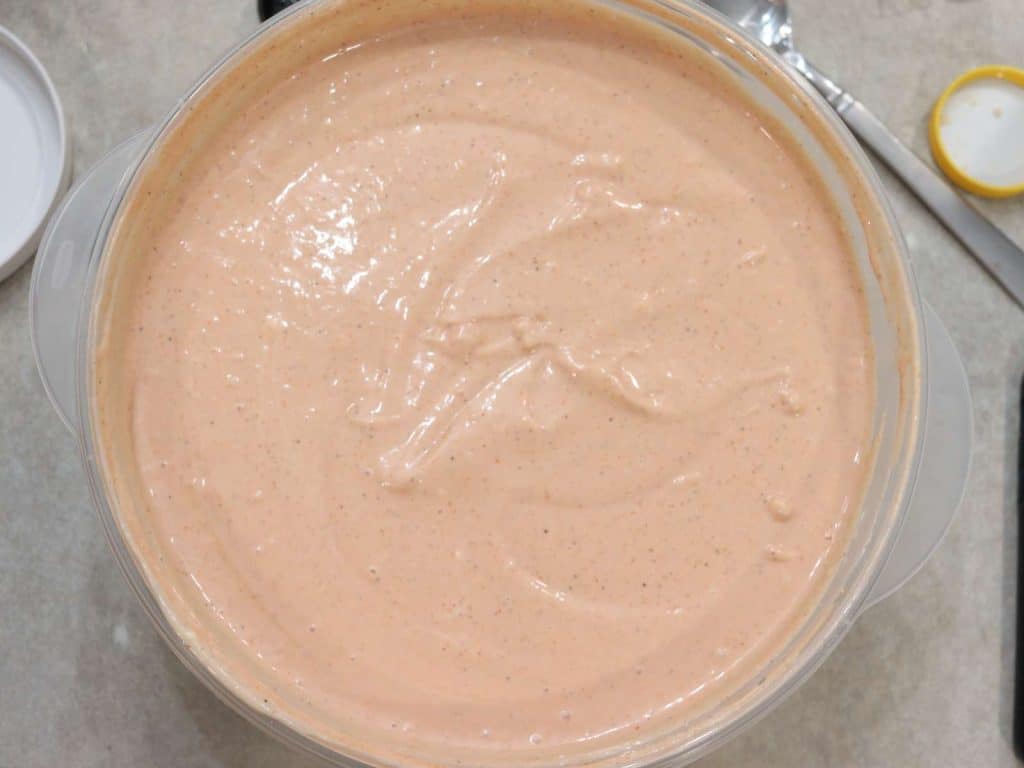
(989, 245)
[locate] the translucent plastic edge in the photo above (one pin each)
(83, 242)
(946, 462)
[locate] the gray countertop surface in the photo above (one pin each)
(923, 679)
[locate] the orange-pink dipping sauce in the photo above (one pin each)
(503, 381)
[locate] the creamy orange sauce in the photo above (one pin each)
(500, 382)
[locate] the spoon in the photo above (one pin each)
(768, 21)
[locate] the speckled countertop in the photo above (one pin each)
(924, 679)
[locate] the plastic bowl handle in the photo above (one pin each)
(60, 271)
(945, 462)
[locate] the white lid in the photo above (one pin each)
(34, 156)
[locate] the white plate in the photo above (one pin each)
(34, 153)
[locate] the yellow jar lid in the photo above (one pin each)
(977, 131)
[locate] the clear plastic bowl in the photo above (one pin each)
(922, 421)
